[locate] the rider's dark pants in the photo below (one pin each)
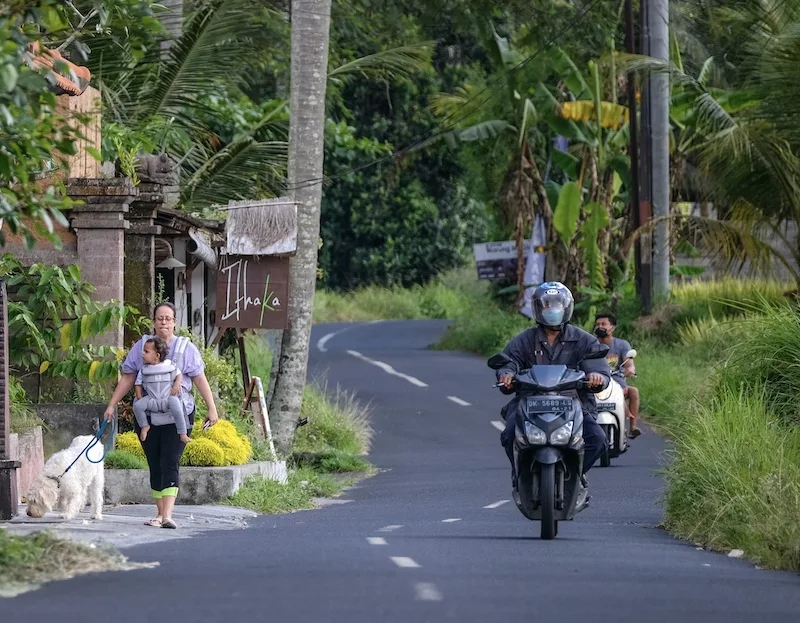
(593, 436)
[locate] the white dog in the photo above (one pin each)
(84, 481)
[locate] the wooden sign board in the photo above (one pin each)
(252, 292)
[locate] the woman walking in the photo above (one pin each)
(162, 446)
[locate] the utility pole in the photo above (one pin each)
(656, 14)
(639, 210)
(309, 75)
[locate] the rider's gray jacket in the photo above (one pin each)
(574, 348)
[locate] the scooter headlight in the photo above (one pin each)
(535, 435)
(561, 435)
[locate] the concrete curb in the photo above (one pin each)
(199, 485)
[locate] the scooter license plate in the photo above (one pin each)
(606, 406)
(548, 405)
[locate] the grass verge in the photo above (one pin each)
(27, 562)
(735, 480)
(328, 455)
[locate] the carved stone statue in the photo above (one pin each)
(157, 169)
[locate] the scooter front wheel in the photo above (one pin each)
(547, 501)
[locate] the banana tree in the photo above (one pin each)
(596, 162)
(510, 124)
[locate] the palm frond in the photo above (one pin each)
(731, 245)
(448, 104)
(244, 169)
(389, 65)
(219, 40)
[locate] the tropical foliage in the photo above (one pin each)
(41, 340)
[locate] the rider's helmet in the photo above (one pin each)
(552, 305)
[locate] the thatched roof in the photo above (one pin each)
(264, 227)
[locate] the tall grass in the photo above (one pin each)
(721, 297)
(337, 421)
(735, 480)
(671, 382)
(484, 331)
(448, 296)
(767, 355)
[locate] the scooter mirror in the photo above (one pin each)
(498, 361)
(631, 354)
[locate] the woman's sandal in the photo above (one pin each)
(168, 523)
(154, 523)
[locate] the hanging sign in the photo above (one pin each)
(252, 292)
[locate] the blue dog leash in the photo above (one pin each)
(97, 437)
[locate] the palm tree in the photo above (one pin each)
(736, 128)
(164, 101)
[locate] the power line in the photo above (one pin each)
(433, 134)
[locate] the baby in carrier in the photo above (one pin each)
(158, 389)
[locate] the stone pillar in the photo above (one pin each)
(158, 189)
(100, 225)
(140, 271)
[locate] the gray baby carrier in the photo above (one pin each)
(160, 374)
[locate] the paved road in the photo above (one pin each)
(433, 537)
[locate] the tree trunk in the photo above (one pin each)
(310, 37)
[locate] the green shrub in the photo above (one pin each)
(122, 459)
(332, 462)
(259, 356)
(41, 557)
(735, 480)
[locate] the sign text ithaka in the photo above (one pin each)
(252, 292)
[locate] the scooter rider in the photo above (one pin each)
(554, 341)
(605, 324)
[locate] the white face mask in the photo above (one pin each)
(552, 317)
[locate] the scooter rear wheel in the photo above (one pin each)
(547, 500)
(605, 458)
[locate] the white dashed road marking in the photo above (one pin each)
(496, 504)
(427, 592)
(321, 342)
(376, 540)
(498, 424)
(458, 401)
(389, 528)
(404, 562)
(388, 369)
(451, 520)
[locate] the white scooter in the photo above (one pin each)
(611, 415)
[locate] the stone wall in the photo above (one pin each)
(28, 449)
(64, 422)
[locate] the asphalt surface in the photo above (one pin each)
(433, 537)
